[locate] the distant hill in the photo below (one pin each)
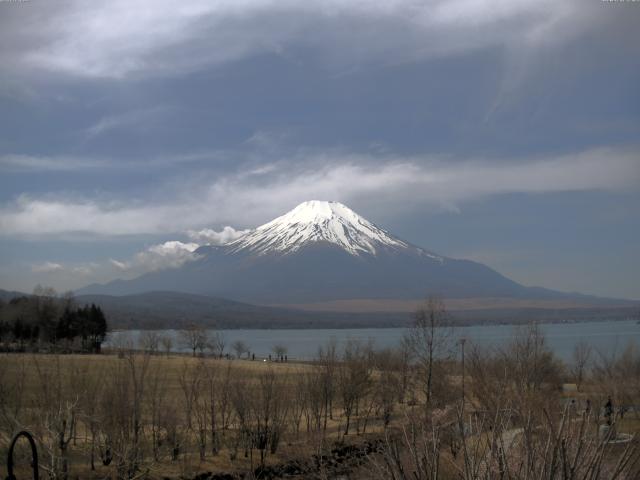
(7, 295)
(174, 310)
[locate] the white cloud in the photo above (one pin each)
(21, 163)
(121, 38)
(82, 269)
(386, 182)
(170, 254)
(138, 119)
(208, 236)
(84, 216)
(63, 163)
(168, 249)
(47, 267)
(123, 266)
(173, 254)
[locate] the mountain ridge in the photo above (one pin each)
(321, 252)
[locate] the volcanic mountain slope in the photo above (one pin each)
(322, 251)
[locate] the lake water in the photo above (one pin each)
(605, 337)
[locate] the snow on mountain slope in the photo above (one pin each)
(319, 221)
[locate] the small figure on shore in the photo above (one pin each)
(608, 411)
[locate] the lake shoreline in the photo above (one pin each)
(394, 326)
(607, 337)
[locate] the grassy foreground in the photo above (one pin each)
(189, 414)
(511, 413)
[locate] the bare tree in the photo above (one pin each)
(388, 364)
(563, 447)
(122, 343)
(518, 426)
(617, 375)
(190, 383)
(137, 369)
(328, 360)
(523, 375)
(315, 401)
(217, 345)
(90, 413)
(354, 378)
(405, 356)
(149, 341)
(531, 361)
(194, 338)
(298, 402)
(170, 422)
(240, 347)
(12, 393)
(201, 408)
(581, 358)
(268, 412)
(279, 351)
(58, 406)
(430, 340)
(224, 398)
(167, 344)
(156, 404)
(241, 403)
(213, 385)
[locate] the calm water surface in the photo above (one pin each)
(606, 337)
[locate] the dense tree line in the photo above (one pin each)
(46, 321)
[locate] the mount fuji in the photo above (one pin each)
(324, 252)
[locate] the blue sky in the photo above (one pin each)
(506, 132)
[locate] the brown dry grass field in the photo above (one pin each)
(134, 415)
(36, 386)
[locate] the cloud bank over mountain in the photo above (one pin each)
(248, 199)
(208, 236)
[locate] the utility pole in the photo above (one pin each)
(462, 342)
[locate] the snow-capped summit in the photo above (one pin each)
(318, 221)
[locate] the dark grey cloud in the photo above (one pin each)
(119, 39)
